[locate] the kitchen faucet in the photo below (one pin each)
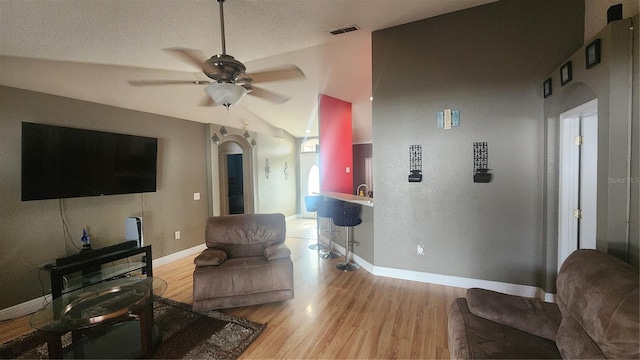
(364, 193)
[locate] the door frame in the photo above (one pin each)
(577, 188)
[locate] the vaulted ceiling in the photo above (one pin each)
(89, 49)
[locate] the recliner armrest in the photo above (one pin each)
(210, 257)
(531, 315)
(275, 252)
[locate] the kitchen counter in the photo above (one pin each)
(362, 200)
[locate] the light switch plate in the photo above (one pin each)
(196, 196)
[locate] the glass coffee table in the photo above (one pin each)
(112, 319)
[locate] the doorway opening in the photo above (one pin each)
(235, 184)
(578, 191)
(235, 163)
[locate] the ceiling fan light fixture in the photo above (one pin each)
(226, 94)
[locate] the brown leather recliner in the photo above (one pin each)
(246, 262)
(596, 316)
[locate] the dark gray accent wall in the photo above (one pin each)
(32, 232)
(489, 63)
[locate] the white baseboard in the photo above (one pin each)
(24, 308)
(178, 255)
(447, 280)
(33, 305)
(462, 282)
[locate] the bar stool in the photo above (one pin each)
(325, 209)
(311, 204)
(348, 216)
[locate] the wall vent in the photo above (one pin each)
(345, 29)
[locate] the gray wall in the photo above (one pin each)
(488, 62)
(32, 231)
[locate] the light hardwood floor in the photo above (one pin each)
(334, 314)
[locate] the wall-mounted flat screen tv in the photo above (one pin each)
(61, 162)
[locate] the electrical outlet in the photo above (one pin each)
(420, 249)
(176, 235)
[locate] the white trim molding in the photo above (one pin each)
(438, 279)
(178, 255)
(34, 305)
(24, 308)
(448, 280)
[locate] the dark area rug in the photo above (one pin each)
(185, 335)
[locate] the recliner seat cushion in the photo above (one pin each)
(474, 337)
(242, 276)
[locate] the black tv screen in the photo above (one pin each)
(61, 162)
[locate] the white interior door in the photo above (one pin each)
(309, 180)
(578, 179)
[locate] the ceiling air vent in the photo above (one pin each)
(345, 29)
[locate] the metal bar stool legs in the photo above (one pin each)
(325, 212)
(349, 216)
(311, 203)
(325, 209)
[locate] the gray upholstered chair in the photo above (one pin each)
(246, 262)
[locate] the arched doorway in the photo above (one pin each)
(235, 170)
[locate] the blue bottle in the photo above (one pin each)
(86, 245)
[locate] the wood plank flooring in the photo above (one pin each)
(334, 314)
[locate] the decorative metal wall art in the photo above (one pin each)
(415, 163)
(481, 162)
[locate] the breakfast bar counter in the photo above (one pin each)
(362, 200)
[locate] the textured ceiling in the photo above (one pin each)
(88, 49)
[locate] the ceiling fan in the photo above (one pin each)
(229, 80)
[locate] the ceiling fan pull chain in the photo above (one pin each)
(224, 47)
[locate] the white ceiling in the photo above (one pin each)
(89, 49)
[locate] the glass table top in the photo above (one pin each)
(97, 303)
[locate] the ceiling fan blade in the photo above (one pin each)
(167, 82)
(191, 56)
(206, 102)
(288, 73)
(267, 95)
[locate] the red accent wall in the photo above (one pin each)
(336, 151)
